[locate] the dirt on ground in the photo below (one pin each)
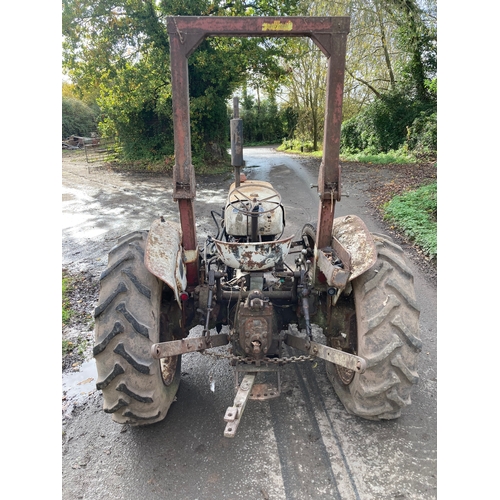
(78, 330)
(385, 182)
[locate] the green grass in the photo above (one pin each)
(300, 147)
(399, 157)
(80, 347)
(415, 214)
(67, 347)
(66, 310)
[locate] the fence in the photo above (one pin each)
(100, 150)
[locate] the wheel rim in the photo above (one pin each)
(346, 376)
(168, 368)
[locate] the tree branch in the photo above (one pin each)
(360, 80)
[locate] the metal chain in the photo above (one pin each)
(266, 361)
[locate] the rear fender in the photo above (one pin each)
(352, 233)
(164, 256)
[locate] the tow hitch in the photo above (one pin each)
(341, 358)
(175, 347)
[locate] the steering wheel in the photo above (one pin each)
(240, 206)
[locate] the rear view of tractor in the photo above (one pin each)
(251, 286)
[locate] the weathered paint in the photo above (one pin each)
(277, 26)
(353, 235)
(336, 356)
(163, 256)
(335, 275)
(253, 256)
(183, 346)
(241, 201)
(234, 413)
(186, 33)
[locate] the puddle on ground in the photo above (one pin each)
(77, 386)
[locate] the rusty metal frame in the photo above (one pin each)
(184, 346)
(336, 356)
(185, 34)
(234, 413)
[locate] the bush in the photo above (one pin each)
(296, 145)
(267, 124)
(415, 213)
(422, 135)
(401, 157)
(78, 118)
(388, 123)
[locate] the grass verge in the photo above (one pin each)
(399, 157)
(67, 312)
(415, 214)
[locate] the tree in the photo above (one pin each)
(121, 48)
(306, 79)
(77, 118)
(391, 60)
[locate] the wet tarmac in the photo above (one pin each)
(302, 445)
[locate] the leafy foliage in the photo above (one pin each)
(77, 118)
(393, 120)
(390, 91)
(298, 146)
(117, 55)
(264, 122)
(422, 135)
(399, 157)
(121, 48)
(415, 213)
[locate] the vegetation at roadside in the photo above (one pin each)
(67, 312)
(78, 346)
(117, 59)
(78, 290)
(400, 157)
(415, 214)
(78, 118)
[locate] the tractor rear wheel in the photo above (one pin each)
(137, 388)
(387, 338)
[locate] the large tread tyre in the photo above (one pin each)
(137, 389)
(387, 322)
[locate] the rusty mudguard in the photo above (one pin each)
(354, 245)
(164, 255)
(351, 232)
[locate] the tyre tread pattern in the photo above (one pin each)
(121, 288)
(388, 337)
(117, 328)
(127, 323)
(138, 327)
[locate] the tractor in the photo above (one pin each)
(250, 287)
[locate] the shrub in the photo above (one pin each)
(77, 118)
(415, 213)
(422, 135)
(393, 120)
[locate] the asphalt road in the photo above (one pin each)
(302, 445)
